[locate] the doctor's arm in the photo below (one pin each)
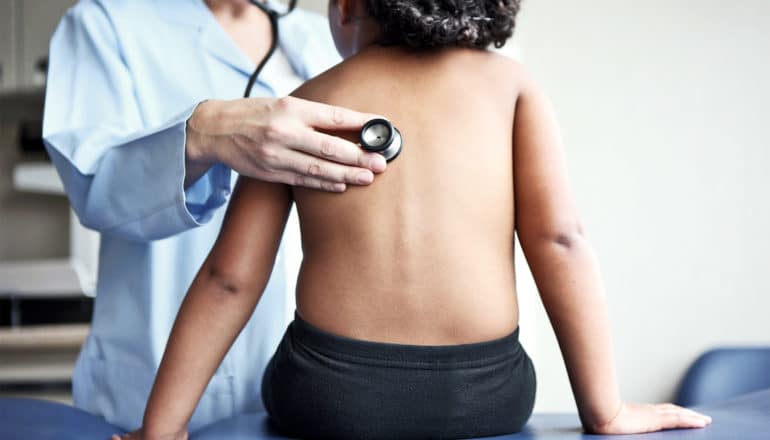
(218, 305)
(567, 275)
(141, 182)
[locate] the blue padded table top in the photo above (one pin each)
(745, 418)
(22, 419)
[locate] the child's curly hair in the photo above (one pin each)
(423, 24)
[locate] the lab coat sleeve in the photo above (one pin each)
(121, 177)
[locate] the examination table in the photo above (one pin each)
(745, 418)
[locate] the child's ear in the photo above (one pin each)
(345, 11)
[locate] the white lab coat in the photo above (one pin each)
(124, 77)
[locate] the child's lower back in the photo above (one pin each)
(424, 255)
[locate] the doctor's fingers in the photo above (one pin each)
(336, 149)
(323, 116)
(292, 179)
(307, 169)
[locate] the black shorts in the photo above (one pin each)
(320, 385)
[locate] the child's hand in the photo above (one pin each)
(636, 418)
(140, 435)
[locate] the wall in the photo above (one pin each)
(664, 109)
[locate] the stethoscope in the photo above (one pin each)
(378, 135)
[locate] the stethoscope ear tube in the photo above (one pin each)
(380, 136)
(269, 11)
(273, 15)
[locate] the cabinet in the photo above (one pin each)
(37, 349)
(7, 45)
(37, 22)
(26, 27)
(36, 360)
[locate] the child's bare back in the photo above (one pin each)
(424, 255)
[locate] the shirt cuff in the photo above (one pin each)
(210, 192)
(206, 195)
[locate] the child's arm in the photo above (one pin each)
(567, 275)
(218, 305)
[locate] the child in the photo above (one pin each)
(407, 319)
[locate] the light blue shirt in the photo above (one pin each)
(124, 77)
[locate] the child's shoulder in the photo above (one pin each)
(469, 66)
(503, 66)
(492, 72)
(321, 85)
(506, 68)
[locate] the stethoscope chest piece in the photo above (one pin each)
(380, 136)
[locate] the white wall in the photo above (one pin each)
(314, 5)
(665, 108)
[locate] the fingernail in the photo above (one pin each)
(339, 187)
(377, 164)
(365, 177)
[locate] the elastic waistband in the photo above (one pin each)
(341, 346)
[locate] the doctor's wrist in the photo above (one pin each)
(198, 148)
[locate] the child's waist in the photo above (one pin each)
(435, 356)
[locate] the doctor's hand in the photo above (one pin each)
(275, 140)
(637, 418)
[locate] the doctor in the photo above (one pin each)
(144, 126)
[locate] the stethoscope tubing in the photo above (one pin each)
(273, 16)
